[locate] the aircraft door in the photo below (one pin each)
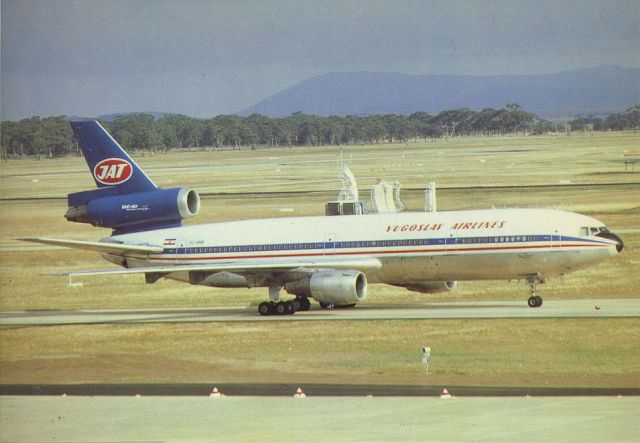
(330, 244)
(451, 242)
(181, 251)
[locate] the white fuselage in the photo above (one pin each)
(412, 247)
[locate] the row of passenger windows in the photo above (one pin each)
(387, 243)
(506, 239)
(366, 244)
(254, 248)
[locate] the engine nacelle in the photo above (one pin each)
(159, 208)
(331, 287)
(432, 287)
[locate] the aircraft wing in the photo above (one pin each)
(108, 248)
(249, 266)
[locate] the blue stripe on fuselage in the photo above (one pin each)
(450, 241)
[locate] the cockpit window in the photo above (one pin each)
(586, 231)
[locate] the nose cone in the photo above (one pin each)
(612, 236)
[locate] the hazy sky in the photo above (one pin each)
(203, 58)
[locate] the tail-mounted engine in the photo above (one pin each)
(159, 208)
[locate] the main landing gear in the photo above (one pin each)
(534, 301)
(284, 307)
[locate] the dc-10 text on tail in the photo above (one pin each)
(329, 259)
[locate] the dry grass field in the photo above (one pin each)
(521, 353)
(529, 352)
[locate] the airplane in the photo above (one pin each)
(330, 259)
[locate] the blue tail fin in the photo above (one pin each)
(110, 165)
(126, 199)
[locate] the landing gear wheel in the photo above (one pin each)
(291, 308)
(281, 308)
(301, 303)
(265, 308)
(535, 301)
(305, 304)
(285, 308)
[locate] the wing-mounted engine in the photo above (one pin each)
(138, 211)
(331, 287)
(432, 287)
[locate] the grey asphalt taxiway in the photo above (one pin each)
(623, 307)
(284, 419)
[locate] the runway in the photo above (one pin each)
(594, 308)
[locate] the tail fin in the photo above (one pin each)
(110, 165)
(126, 199)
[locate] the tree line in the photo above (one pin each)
(52, 136)
(613, 122)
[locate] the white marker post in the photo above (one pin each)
(426, 353)
(430, 197)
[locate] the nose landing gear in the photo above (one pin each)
(534, 301)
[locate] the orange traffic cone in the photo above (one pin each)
(445, 394)
(299, 393)
(216, 393)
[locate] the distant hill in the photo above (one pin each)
(594, 91)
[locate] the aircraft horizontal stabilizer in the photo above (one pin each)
(108, 248)
(247, 266)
